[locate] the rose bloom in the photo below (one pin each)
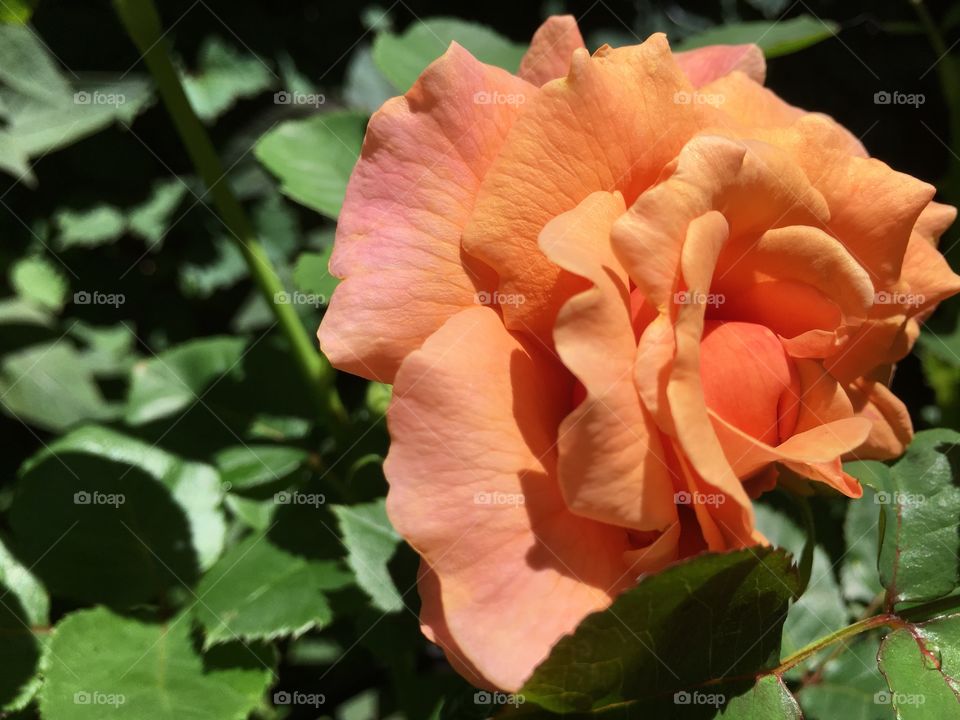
(618, 296)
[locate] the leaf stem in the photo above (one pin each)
(142, 23)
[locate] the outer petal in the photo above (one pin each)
(476, 496)
(612, 124)
(891, 429)
(550, 50)
(411, 193)
(706, 64)
(611, 466)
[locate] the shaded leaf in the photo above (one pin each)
(313, 158)
(371, 541)
(780, 37)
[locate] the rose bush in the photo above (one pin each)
(618, 295)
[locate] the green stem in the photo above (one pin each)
(142, 22)
(900, 619)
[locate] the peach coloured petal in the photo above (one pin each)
(879, 341)
(821, 398)
(811, 454)
(611, 466)
(653, 557)
(711, 172)
(704, 238)
(748, 379)
(706, 64)
(934, 220)
(891, 429)
(550, 50)
(512, 578)
(875, 232)
(748, 107)
(812, 269)
(926, 274)
(411, 193)
(611, 124)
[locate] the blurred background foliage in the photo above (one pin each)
(251, 554)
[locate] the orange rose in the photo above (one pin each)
(616, 295)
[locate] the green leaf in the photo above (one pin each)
(251, 466)
(175, 379)
(258, 591)
(17, 11)
(98, 225)
(225, 75)
(919, 500)
(151, 219)
(365, 87)
(19, 652)
(107, 518)
(27, 67)
(103, 664)
(709, 618)
(768, 699)
(371, 542)
(861, 530)
(313, 158)
(20, 583)
(402, 58)
(921, 664)
(41, 282)
(849, 685)
(312, 275)
(820, 610)
(52, 386)
(780, 37)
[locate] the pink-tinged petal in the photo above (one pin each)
(612, 124)
(550, 50)
(611, 465)
(891, 428)
(410, 195)
(476, 495)
(706, 64)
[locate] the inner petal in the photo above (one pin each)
(749, 380)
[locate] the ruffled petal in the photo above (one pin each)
(611, 465)
(550, 50)
(706, 64)
(410, 195)
(612, 124)
(891, 428)
(476, 496)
